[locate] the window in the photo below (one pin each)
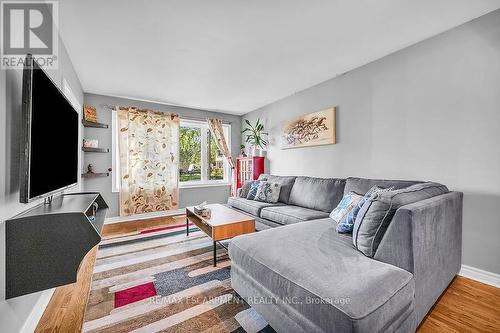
(200, 161)
(189, 153)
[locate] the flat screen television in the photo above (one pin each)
(50, 144)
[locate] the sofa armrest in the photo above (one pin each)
(425, 238)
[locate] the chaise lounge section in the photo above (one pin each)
(306, 277)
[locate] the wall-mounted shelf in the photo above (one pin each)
(45, 245)
(92, 124)
(95, 175)
(95, 150)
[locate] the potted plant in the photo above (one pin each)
(254, 137)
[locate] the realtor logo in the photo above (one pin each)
(29, 27)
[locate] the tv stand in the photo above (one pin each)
(45, 244)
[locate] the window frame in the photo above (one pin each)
(203, 182)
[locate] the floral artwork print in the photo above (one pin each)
(148, 144)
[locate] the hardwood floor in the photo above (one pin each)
(466, 306)
(119, 229)
(66, 309)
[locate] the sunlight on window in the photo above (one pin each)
(189, 154)
(200, 159)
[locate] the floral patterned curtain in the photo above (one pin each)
(215, 126)
(149, 165)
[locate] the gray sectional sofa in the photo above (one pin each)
(306, 277)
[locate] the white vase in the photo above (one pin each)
(257, 151)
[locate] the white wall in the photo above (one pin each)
(21, 313)
(428, 112)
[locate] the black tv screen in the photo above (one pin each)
(50, 129)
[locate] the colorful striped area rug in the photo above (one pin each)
(161, 280)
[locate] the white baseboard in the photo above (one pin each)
(38, 309)
(480, 275)
(118, 219)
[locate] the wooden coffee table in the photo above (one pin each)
(224, 223)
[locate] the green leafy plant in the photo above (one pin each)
(254, 134)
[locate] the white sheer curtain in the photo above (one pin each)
(149, 166)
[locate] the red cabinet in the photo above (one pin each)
(248, 168)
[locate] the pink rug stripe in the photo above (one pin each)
(134, 294)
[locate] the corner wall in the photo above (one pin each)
(428, 112)
(21, 314)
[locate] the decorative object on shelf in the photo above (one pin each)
(90, 113)
(202, 210)
(90, 168)
(242, 151)
(90, 143)
(92, 174)
(254, 137)
(248, 168)
(313, 129)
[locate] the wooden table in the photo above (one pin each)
(224, 223)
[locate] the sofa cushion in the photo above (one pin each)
(332, 284)
(286, 183)
(317, 193)
(249, 206)
(268, 192)
(252, 191)
(245, 188)
(347, 223)
(263, 176)
(377, 212)
(346, 205)
(291, 214)
(362, 185)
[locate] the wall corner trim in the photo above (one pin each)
(480, 275)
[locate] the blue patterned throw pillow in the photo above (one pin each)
(253, 190)
(345, 205)
(347, 222)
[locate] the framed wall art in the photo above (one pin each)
(313, 129)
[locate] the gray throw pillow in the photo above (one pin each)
(263, 176)
(268, 192)
(377, 212)
(246, 188)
